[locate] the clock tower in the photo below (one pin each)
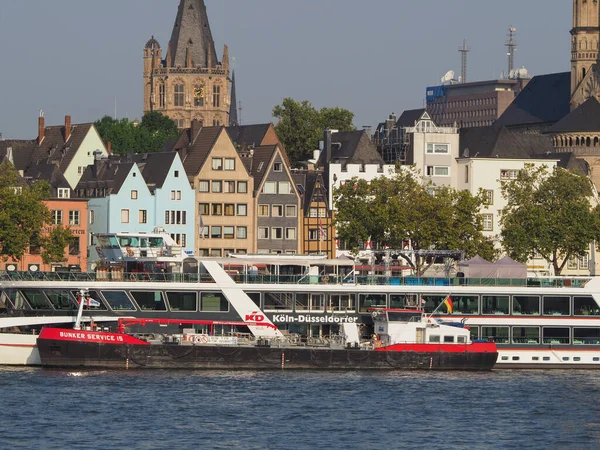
(585, 37)
(188, 82)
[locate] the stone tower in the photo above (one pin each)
(190, 82)
(585, 37)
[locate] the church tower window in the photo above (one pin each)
(179, 95)
(161, 95)
(216, 95)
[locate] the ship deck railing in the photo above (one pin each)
(327, 279)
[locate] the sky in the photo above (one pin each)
(83, 57)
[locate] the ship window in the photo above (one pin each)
(36, 299)
(474, 331)
(5, 302)
(431, 302)
(448, 339)
(498, 335)
(565, 358)
(586, 336)
(149, 300)
(341, 302)
(465, 304)
(576, 358)
(367, 301)
(535, 358)
(525, 335)
(278, 300)
(596, 358)
(434, 338)
(546, 358)
(555, 335)
(17, 299)
(118, 300)
(515, 358)
(526, 305)
(214, 301)
(61, 300)
(505, 358)
(495, 304)
(556, 306)
(94, 295)
(182, 301)
(461, 339)
(585, 306)
(255, 296)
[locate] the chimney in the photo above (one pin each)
(41, 128)
(326, 146)
(196, 127)
(67, 128)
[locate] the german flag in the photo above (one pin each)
(449, 305)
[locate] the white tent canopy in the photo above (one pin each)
(477, 267)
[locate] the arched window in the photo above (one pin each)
(596, 141)
(179, 95)
(588, 142)
(216, 95)
(577, 141)
(161, 95)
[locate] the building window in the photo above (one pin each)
(277, 233)
(124, 216)
(242, 232)
(277, 211)
(313, 212)
(270, 187)
(204, 209)
(215, 252)
(242, 187)
(175, 195)
(179, 95)
(322, 212)
(489, 196)
(175, 217)
(92, 214)
(161, 95)
(584, 262)
(217, 163)
(57, 217)
(488, 222)
(242, 209)
(176, 174)
(509, 174)
(217, 186)
(228, 232)
(285, 187)
(74, 217)
(263, 210)
(64, 193)
(572, 264)
(313, 234)
(263, 232)
(74, 248)
(203, 186)
(290, 233)
(216, 122)
(466, 174)
(438, 171)
(229, 163)
(217, 209)
(438, 148)
(216, 95)
(204, 232)
(134, 195)
(229, 209)
(142, 216)
(181, 239)
(291, 211)
(277, 167)
(215, 232)
(229, 187)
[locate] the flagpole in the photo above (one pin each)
(438, 306)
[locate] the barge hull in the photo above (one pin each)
(167, 356)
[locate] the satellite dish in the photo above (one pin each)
(448, 77)
(466, 152)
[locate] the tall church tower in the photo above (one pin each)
(585, 37)
(190, 82)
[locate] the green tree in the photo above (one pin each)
(549, 212)
(150, 135)
(54, 244)
(300, 126)
(391, 211)
(23, 215)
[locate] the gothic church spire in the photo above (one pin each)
(233, 116)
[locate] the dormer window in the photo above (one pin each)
(277, 167)
(64, 193)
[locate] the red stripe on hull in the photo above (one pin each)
(62, 334)
(476, 347)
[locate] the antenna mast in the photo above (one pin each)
(512, 47)
(464, 49)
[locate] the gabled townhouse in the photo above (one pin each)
(276, 200)
(70, 147)
(254, 135)
(224, 216)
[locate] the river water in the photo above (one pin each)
(51, 409)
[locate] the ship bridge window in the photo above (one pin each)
(366, 301)
(404, 317)
(108, 242)
(526, 305)
(525, 335)
(495, 304)
(448, 339)
(586, 336)
(585, 306)
(278, 301)
(36, 298)
(461, 339)
(434, 338)
(214, 302)
(499, 335)
(16, 298)
(555, 335)
(118, 300)
(61, 300)
(149, 300)
(556, 306)
(94, 295)
(465, 304)
(182, 301)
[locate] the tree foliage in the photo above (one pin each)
(300, 126)
(23, 215)
(392, 211)
(549, 212)
(125, 136)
